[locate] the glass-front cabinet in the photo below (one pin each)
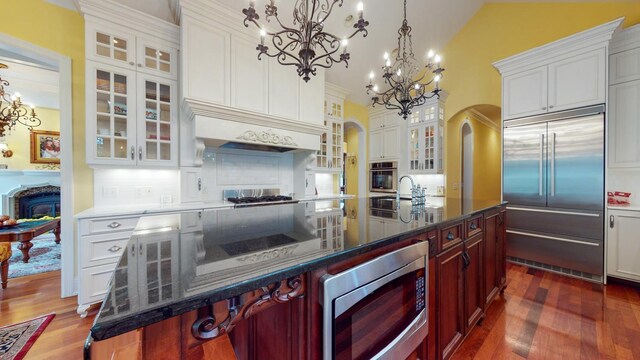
(131, 117)
(329, 158)
(425, 138)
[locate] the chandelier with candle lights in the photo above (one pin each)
(305, 45)
(13, 111)
(407, 84)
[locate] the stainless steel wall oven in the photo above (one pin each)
(383, 177)
(377, 310)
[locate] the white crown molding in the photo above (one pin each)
(480, 117)
(116, 13)
(194, 107)
(626, 39)
(598, 36)
(335, 90)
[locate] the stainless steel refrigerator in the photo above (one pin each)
(553, 179)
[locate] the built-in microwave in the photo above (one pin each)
(377, 310)
(383, 177)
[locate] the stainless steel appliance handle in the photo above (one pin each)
(540, 161)
(345, 302)
(403, 345)
(553, 211)
(552, 238)
(553, 164)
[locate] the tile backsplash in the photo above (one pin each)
(133, 187)
(242, 169)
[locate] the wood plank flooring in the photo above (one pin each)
(541, 316)
(31, 296)
(548, 316)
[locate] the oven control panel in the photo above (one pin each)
(420, 292)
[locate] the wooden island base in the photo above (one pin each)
(283, 320)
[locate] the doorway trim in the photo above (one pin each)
(463, 184)
(362, 155)
(63, 64)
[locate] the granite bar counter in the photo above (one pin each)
(206, 256)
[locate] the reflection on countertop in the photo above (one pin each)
(215, 254)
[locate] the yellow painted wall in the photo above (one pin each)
(19, 140)
(486, 157)
(497, 31)
(60, 30)
(353, 111)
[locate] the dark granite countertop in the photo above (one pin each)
(197, 258)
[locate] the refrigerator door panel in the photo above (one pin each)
(580, 224)
(525, 157)
(575, 165)
(568, 253)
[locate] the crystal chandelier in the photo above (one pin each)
(408, 87)
(305, 45)
(13, 111)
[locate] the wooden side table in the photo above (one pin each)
(26, 231)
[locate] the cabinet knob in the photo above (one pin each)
(114, 225)
(450, 236)
(131, 63)
(544, 108)
(133, 152)
(611, 221)
(473, 226)
(140, 65)
(140, 152)
(114, 248)
(550, 106)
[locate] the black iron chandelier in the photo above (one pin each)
(307, 46)
(408, 87)
(13, 111)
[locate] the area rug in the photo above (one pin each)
(45, 257)
(17, 339)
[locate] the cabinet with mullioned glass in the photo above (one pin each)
(329, 158)
(425, 128)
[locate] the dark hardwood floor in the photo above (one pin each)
(541, 316)
(548, 316)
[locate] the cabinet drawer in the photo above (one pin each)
(94, 283)
(107, 225)
(450, 236)
(473, 226)
(102, 249)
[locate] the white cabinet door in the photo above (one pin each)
(376, 145)
(624, 125)
(309, 183)
(157, 58)
(390, 143)
(157, 140)
(249, 77)
(624, 245)
(110, 114)
(206, 63)
(624, 66)
(311, 95)
(190, 184)
(525, 93)
(376, 122)
(577, 81)
(109, 44)
(284, 98)
(95, 283)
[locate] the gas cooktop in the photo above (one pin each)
(257, 197)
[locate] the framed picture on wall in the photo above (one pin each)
(45, 147)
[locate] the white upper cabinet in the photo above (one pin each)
(578, 81)
(624, 66)
(250, 78)
(125, 47)
(284, 91)
(384, 136)
(570, 83)
(525, 93)
(312, 110)
(425, 138)
(565, 74)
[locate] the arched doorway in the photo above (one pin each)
(356, 158)
(466, 160)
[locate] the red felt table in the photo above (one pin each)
(26, 231)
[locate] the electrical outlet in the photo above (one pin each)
(147, 191)
(109, 192)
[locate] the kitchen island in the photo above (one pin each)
(245, 282)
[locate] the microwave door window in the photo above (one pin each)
(367, 327)
(382, 180)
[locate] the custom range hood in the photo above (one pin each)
(226, 127)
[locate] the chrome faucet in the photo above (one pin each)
(413, 188)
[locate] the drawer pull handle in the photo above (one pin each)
(114, 225)
(115, 248)
(450, 236)
(473, 226)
